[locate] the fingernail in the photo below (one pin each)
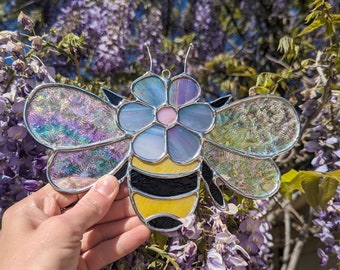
(105, 185)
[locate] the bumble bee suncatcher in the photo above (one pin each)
(164, 142)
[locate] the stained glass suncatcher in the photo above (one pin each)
(164, 142)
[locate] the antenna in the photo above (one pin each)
(186, 57)
(149, 53)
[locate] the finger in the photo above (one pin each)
(114, 249)
(94, 205)
(123, 191)
(107, 231)
(49, 200)
(119, 209)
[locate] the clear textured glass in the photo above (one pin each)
(198, 117)
(133, 117)
(76, 170)
(150, 144)
(151, 90)
(183, 90)
(183, 145)
(260, 126)
(60, 116)
(250, 176)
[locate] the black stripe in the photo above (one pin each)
(122, 171)
(164, 223)
(163, 187)
(214, 191)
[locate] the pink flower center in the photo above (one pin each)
(166, 115)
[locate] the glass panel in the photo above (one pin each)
(73, 171)
(181, 207)
(261, 126)
(250, 176)
(183, 145)
(183, 90)
(59, 116)
(134, 117)
(150, 144)
(165, 166)
(198, 117)
(167, 115)
(151, 90)
(164, 187)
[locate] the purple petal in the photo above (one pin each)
(150, 144)
(183, 145)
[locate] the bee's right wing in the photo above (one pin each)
(82, 131)
(247, 135)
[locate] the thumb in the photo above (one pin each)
(95, 204)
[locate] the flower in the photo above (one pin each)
(166, 118)
(323, 256)
(191, 228)
(26, 21)
(185, 254)
(32, 185)
(215, 260)
(36, 42)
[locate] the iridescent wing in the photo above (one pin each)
(250, 176)
(262, 126)
(246, 135)
(81, 130)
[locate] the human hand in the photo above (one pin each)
(100, 228)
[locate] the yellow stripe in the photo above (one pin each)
(166, 166)
(179, 207)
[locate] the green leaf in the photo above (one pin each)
(317, 23)
(290, 183)
(327, 190)
(306, 176)
(317, 188)
(289, 176)
(260, 90)
(304, 63)
(310, 186)
(285, 44)
(334, 174)
(336, 18)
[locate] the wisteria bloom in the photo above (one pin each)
(215, 260)
(164, 118)
(185, 254)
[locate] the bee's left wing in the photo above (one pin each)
(250, 176)
(246, 135)
(81, 129)
(263, 126)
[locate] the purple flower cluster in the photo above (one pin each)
(255, 238)
(211, 35)
(327, 224)
(323, 140)
(113, 37)
(248, 247)
(22, 159)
